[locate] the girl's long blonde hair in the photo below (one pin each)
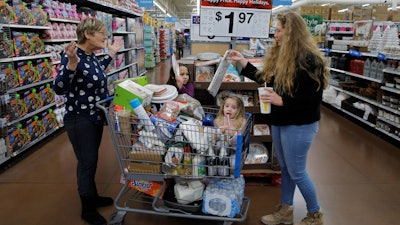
(240, 116)
(284, 61)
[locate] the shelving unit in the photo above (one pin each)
(385, 114)
(16, 127)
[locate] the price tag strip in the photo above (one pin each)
(219, 75)
(234, 22)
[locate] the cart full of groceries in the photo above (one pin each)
(174, 161)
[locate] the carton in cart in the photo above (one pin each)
(128, 90)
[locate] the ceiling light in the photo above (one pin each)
(160, 7)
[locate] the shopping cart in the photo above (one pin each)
(154, 156)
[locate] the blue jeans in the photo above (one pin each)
(85, 137)
(291, 145)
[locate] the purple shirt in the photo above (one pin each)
(187, 89)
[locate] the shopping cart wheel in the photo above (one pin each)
(117, 218)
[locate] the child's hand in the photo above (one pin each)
(179, 81)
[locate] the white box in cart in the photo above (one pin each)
(128, 90)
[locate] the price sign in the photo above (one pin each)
(195, 32)
(235, 19)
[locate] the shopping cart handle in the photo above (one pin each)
(102, 104)
(108, 99)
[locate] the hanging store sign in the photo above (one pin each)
(282, 2)
(145, 3)
(235, 18)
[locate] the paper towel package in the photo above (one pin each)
(128, 90)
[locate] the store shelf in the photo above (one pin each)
(30, 144)
(43, 108)
(121, 69)
(21, 26)
(106, 7)
(261, 138)
(63, 20)
(122, 32)
(373, 102)
(5, 159)
(356, 75)
(29, 85)
(59, 40)
(39, 56)
(393, 90)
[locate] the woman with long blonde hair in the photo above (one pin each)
(298, 73)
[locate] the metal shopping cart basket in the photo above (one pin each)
(166, 154)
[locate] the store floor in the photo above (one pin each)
(357, 177)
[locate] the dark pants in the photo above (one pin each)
(180, 52)
(85, 137)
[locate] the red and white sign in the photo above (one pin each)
(235, 18)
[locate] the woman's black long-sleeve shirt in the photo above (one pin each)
(301, 108)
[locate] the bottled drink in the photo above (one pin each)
(211, 161)
(199, 163)
(223, 166)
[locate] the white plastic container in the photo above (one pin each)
(188, 192)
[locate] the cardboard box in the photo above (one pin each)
(317, 10)
(325, 10)
(380, 17)
(148, 187)
(394, 16)
(380, 9)
(334, 9)
(307, 10)
(128, 90)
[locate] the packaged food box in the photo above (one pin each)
(128, 90)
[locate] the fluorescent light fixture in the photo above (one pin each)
(343, 10)
(169, 15)
(365, 5)
(325, 4)
(159, 6)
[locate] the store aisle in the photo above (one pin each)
(357, 176)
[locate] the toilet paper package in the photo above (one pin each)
(224, 197)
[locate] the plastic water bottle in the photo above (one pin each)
(142, 114)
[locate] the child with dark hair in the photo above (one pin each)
(181, 81)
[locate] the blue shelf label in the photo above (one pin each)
(355, 53)
(381, 56)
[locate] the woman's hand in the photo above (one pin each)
(73, 59)
(238, 57)
(271, 97)
(114, 48)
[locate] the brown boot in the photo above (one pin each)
(312, 219)
(283, 214)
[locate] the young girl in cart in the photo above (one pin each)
(231, 116)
